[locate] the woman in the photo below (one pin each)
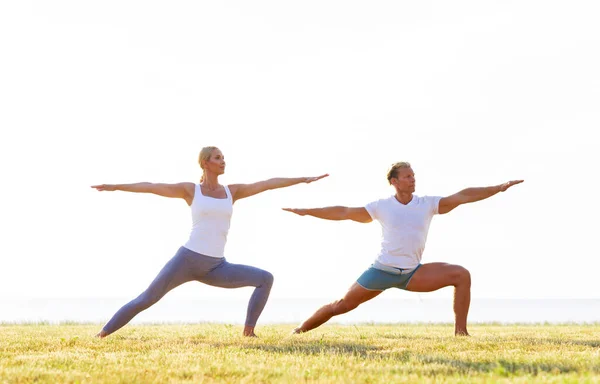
(201, 257)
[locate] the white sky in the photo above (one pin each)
(472, 93)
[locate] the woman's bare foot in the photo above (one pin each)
(102, 334)
(249, 332)
(461, 333)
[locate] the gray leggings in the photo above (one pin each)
(186, 266)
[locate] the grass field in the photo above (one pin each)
(206, 353)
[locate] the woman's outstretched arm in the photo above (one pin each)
(240, 191)
(180, 190)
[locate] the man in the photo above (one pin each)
(405, 220)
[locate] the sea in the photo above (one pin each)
(295, 310)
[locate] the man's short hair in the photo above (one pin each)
(393, 172)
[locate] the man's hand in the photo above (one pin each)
(508, 184)
(311, 179)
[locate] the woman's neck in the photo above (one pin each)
(210, 183)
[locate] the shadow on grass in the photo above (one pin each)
(393, 336)
(565, 341)
(304, 347)
(593, 343)
(436, 363)
(587, 343)
(504, 367)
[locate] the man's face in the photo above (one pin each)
(404, 180)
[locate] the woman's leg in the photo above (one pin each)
(173, 274)
(229, 275)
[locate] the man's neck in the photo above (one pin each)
(403, 198)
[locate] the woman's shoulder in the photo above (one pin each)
(188, 187)
(231, 187)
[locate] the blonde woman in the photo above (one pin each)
(201, 258)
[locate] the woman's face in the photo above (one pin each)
(216, 163)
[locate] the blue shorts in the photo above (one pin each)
(375, 279)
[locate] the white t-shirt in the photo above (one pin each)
(403, 228)
(211, 218)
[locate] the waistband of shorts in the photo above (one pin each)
(396, 271)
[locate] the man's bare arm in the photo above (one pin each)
(358, 214)
(471, 195)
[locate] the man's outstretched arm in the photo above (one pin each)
(359, 214)
(471, 195)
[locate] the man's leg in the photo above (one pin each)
(433, 276)
(355, 296)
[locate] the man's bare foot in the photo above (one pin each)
(461, 333)
(102, 334)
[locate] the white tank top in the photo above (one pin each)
(210, 223)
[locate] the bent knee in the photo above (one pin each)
(462, 275)
(268, 278)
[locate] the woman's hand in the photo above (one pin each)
(297, 211)
(105, 187)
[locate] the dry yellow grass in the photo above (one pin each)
(207, 353)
